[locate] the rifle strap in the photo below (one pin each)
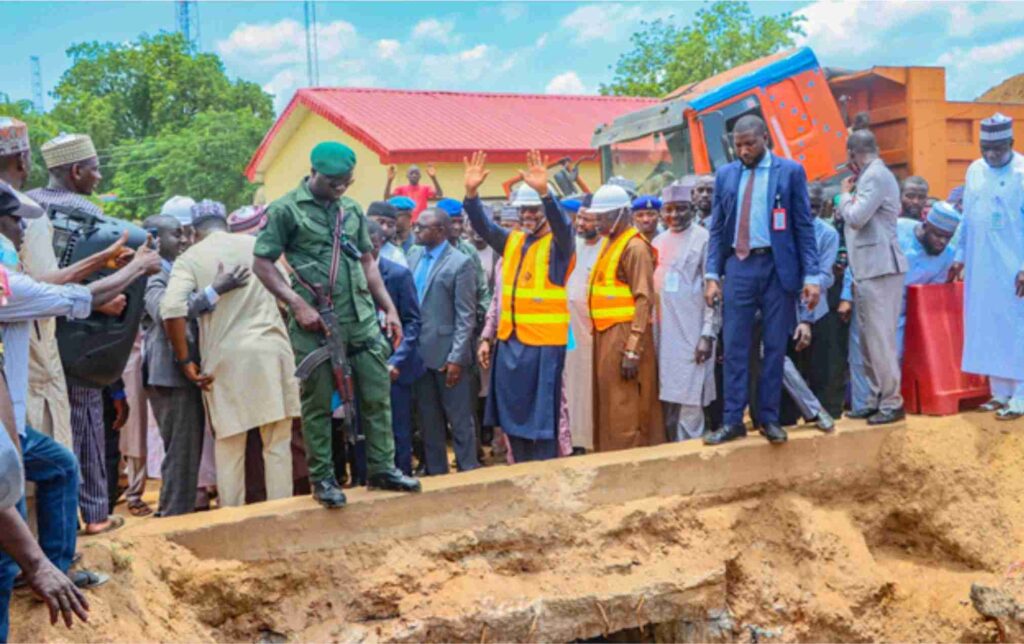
(332, 276)
(339, 221)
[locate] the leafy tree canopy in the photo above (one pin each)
(165, 119)
(723, 34)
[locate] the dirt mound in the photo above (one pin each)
(840, 557)
(1010, 90)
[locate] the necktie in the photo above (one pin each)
(422, 271)
(743, 234)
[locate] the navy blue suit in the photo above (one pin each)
(400, 286)
(765, 282)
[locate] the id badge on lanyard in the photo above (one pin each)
(778, 215)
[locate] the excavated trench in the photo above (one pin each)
(868, 534)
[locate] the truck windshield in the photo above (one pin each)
(653, 161)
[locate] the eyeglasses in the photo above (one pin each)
(419, 227)
(533, 210)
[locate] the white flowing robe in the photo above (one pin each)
(992, 249)
(683, 317)
(579, 362)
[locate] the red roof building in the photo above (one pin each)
(406, 126)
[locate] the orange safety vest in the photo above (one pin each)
(611, 302)
(533, 307)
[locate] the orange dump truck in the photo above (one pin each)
(805, 107)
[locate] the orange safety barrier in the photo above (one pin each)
(933, 343)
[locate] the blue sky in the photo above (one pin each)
(555, 47)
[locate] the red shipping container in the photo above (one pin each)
(933, 383)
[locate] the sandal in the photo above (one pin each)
(86, 579)
(992, 405)
(1008, 414)
(113, 523)
(139, 509)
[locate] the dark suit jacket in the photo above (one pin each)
(158, 368)
(399, 284)
(794, 249)
(448, 308)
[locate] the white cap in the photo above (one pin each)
(525, 196)
(180, 208)
(609, 198)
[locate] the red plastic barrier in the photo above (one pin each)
(932, 381)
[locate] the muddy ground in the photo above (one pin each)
(841, 556)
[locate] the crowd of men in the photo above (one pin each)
(306, 346)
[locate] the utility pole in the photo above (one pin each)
(37, 85)
(186, 14)
(312, 51)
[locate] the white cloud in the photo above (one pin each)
(284, 42)
(836, 27)
(969, 19)
(567, 83)
(476, 53)
(387, 48)
(610, 22)
(541, 41)
(512, 11)
(433, 29)
(991, 54)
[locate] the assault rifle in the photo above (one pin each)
(335, 349)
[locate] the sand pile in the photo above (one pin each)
(839, 557)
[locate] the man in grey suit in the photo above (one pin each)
(877, 265)
(177, 403)
(445, 282)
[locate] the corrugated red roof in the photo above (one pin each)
(405, 126)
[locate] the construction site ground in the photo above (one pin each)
(867, 534)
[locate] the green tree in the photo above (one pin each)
(723, 34)
(165, 119)
(205, 160)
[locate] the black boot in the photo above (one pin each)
(774, 433)
(328, 494)
(725, 434)
(394, 480)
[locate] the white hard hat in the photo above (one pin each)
(609, 198)
(180, 208)
(525, 197)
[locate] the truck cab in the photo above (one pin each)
(688, 132)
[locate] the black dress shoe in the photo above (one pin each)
(394, 480)
(328, 494)
(885, 417)
(861, 414)
(774, 433)
(725, 434)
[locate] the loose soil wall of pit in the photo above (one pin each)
(867, 534)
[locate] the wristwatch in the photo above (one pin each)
(184, 362)
(631, 355)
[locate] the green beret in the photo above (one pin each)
(333, 158)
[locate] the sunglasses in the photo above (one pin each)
(530, 209)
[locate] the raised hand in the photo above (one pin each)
(431, 171)
(476, 173)
(148, 257)
(536, 173)
(392, 171)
